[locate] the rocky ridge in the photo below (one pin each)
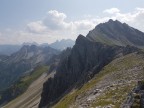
(86, 59)
(106, 43)
(110, 87)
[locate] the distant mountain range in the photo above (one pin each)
(9, 49)
(63, 44)
(59, 45)
(18, 61)
(23, 62)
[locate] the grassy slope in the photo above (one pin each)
(32, 84)
(27, 80)
(118, 70)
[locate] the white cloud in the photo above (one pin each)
(55, 15)
(36, 27)
(55, 22)
(134, 18)
(56, 25)
(112, 11)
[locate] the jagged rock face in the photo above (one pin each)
(86, 59)
(57, 59)
(117, 33)
(23, 61)
(135, 99)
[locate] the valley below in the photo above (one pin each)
(31, 97)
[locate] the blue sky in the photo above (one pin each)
(49, 20)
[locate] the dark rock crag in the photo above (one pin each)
(89, 55)
(85, 60)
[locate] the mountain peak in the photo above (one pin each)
(62, 44)
(81, 40)
(111, 23)
(115, 22)
(116, 33)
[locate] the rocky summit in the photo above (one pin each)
(117, 33)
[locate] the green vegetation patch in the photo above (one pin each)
(27, 80)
